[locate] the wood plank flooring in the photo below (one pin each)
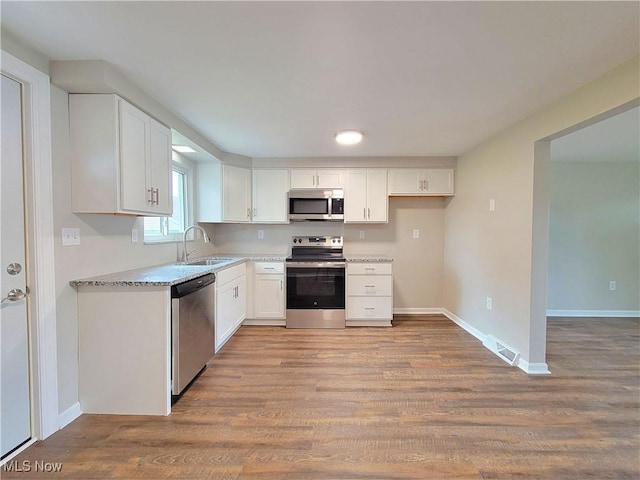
(421, 400)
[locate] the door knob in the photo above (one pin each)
(14, 295)
(14, 268)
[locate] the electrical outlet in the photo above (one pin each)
(260, 234)
(489, 303)
(134, 235)
(361, 234)
(416, 233)
(612, 285)
(70, 236)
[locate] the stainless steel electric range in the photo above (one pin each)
(316, 283)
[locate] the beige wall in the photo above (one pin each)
(594, 235)
(417, 264)
(503, 254)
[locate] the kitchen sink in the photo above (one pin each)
(208, 261)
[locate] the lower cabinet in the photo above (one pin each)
(369, 294)
(231, 302)
(269, 290)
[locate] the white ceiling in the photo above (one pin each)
(276, 79)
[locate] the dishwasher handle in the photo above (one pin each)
(185, 288)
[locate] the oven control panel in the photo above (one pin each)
(317, 241)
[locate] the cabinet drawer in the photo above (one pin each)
(369, 268)
(369, 307)
(230, 273)
(269, 267)
(369, 285)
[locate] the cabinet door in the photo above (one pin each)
(135, 194)
(439, 182)
(269, 197)
(303, 178)
(225, 313)
(269, 296)
(355, 204)
(160, 163)
(377, 199)
(240, 306)
(406, 181)
(236, 194)
(329, 179)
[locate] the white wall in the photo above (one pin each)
(503, 254)
(594, 236)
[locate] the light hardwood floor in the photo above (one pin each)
(422, 400)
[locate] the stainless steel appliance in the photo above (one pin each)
(316, 205)
(316, 283)
(192, 329)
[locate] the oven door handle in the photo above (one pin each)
(316, 264)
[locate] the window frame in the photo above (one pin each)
(187, 171)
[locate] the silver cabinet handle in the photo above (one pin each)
(269, 268)
(364, 213)
(14, 295)
(370, 286)
(150, 192)
(369, 213)
(157, 192)
(281, 286)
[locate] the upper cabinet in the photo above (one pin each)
(366, 198)
(316, 178)
(120, 158)
(422, 182)
(270, 188)
(224, 193)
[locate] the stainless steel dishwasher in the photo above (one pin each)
(192, 329)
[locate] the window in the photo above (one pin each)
(169, 229)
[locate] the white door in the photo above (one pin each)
(15, 404)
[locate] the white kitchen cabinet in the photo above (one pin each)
(421, 182)
(224, 193)
(369, 294)
(120, 158)
(316, 178)
(270, 188)
(231, 302)
(269, 292)
(366, 199)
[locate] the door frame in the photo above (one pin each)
(38, 182)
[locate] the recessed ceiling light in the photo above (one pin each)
(183, 149)
(348, 137)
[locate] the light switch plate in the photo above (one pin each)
(260, 234)
(416, 233)
(70, 236)
(134, 235)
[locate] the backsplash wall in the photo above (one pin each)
(417, 265)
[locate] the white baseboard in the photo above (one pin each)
(534, 368)
(69, 415)
(264, 322)
(524, 365)
(417, 311)
(368, 323)
(465, 326)
(594, 313)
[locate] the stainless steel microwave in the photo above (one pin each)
(316, 205)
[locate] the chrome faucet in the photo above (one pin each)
(185, 252)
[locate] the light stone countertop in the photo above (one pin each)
(160, 275)
(174, 273)
(368, 258)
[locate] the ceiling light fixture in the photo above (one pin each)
(348, 137)
(183, 149)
